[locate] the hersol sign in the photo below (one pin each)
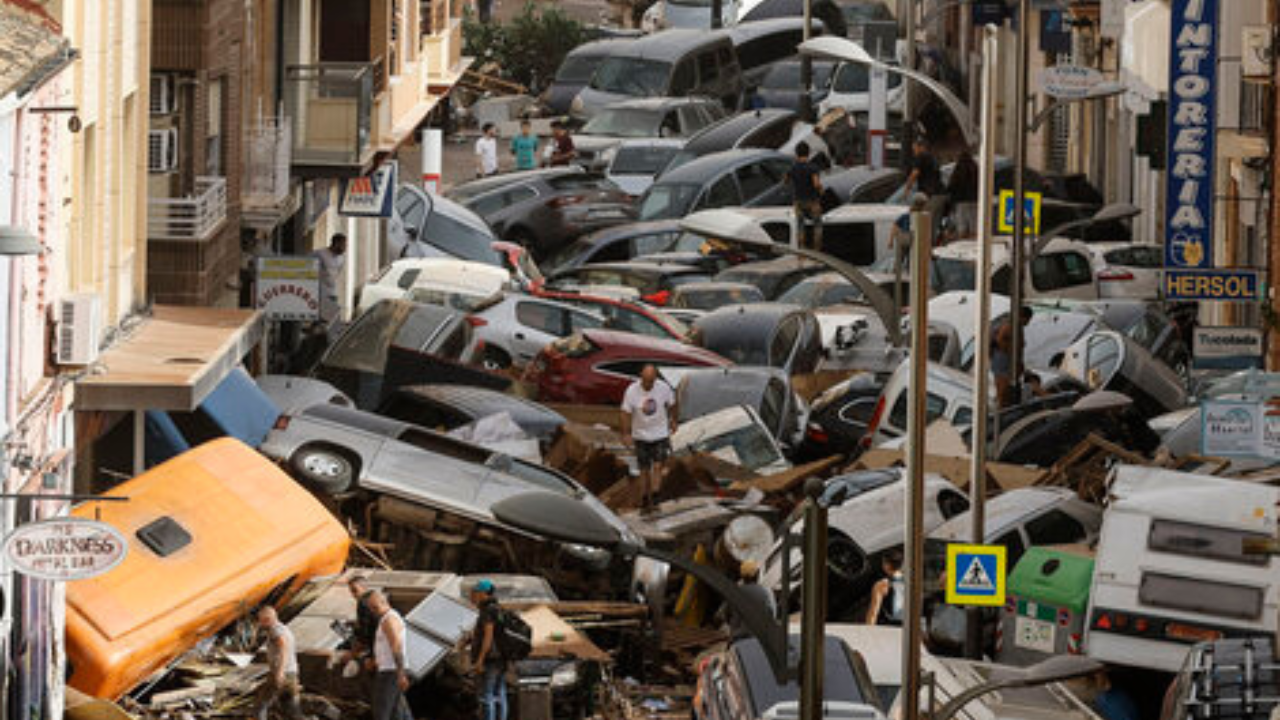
(65, 549)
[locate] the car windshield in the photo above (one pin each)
(365, 345)
(856, 78)
(460, 239)
(952, 274)
(667, 202)
(712, 298)
(631, 76)
(786, 76)
(577, 69)
(742, 348)
(748, 446)
(624, 122)
(814, 294)
(642, 160)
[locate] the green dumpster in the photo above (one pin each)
(1048, 598)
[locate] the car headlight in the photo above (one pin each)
(565, 676)
(577, 107)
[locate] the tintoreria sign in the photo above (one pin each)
(65, 549)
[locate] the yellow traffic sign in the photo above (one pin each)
(976, 575)
(1031, 207)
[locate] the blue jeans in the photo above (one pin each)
(493, 693)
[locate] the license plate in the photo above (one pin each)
(1032, 634)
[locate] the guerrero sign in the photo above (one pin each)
(288, 288)
(65, 549)
(1192, 113)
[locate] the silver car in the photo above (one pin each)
(335, 450)
(515, 328)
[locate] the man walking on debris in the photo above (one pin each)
(366, 626)
(648, 421)
(391, 680)
(486, 662)
(281, 686)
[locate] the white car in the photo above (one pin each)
(515, 328)
(1128, 270)
(457, 284)
(1064, 269)
(851, 91)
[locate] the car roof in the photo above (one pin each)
(709, 167)
(631, 229)
(599, 47)
(724, 134)
(751, 30)
(1004, 511)
(644, 344)
(762, 684)
(669, 45)
(736, 321)
(478, 401)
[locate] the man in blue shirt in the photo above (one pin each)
(525, 147)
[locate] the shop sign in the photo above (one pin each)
(1224, 285)
(1192, 114)
(1227, 348)
(370, 195)
(1069, 82)
(65, 549)
(288, 288)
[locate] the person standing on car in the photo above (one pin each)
(806, 196)
(281, 686)
(525, 147)
(888, 596)
(487, 151)
(390, 680)
(1008, 393)
(649, 419)
(925, 177)
(963, 193)
(563, 151)
(487, 663)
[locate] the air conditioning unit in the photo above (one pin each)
(162, 94)
(162, 151)
(79, 328)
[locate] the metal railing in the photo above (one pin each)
(266, 181)
(193, 218)
(329, 106)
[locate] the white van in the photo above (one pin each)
(1171, 568)
(1063, 269)
(457, 284)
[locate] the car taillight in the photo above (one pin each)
(476, 321)
(1191, 633)
(818, 435)
(1113, 275)
(662, 297)
(565, 200)
(874, 424)
(282, 423)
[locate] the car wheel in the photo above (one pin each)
(323, 469)
(844, 558)
(495, 359)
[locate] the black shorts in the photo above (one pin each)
(652, 453)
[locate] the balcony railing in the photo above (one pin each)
(193, 218)
(330, 110)
(266, 181)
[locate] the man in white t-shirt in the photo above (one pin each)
(281, 686)
(648, 421)
(487, 152)
(391, 679)
(333, 263)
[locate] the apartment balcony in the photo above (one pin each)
(330, 107)
(267, 198)
(194, 218)
(442, 44)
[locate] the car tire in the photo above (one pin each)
(323, 469)
(495, 359)
(845, 560)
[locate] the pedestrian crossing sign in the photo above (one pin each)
(1030, 206)
(976, 575)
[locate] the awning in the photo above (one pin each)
(173, 361)
(30, 40)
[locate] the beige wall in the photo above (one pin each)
(106, 186)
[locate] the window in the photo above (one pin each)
(487, 205)
(162, 151)
(1205, 597)
(577, 69)
(952, 503)
(1103, 360)
(708, 71)
(582, 321)
(724, 193)
(1203, 541)
(407, 408)
(853, 242)
(858, 413)
(683, 81)
(407, 278)
(963, 417)
(632, 76)
(754, 181)
(213, 135)
(460, 239)
(1014, 547)
(934, 407)
(663, 202)
(691, 119)
(1055, 528)
(632, 321)
(650, 244)
(1060, 270)
(411, 209)
(783, 343)
(543, 318)
(443, 445)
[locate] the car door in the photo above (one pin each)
(403, 468)
(538, 323)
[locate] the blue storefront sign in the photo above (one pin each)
(1192, 114)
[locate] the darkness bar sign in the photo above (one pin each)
(1193, 66)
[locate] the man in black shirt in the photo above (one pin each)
(487, 662)
(924, 175)
(963, 193)
(806, 193)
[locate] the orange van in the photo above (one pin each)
(212, 533)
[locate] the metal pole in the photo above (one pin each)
(922, 229)
(806, 68)
(1019, 193)
(815, 603)
(908, 104)
(717, 14)
(1273, 334)
(982, 320)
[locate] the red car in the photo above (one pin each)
(622, 315)
(595, 367)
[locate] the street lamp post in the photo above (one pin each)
(1019, 192)
(1101, 91)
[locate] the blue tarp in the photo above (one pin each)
(236, 408)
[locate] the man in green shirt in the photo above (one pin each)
(525, 147)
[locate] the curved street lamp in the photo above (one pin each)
(1101, 91)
